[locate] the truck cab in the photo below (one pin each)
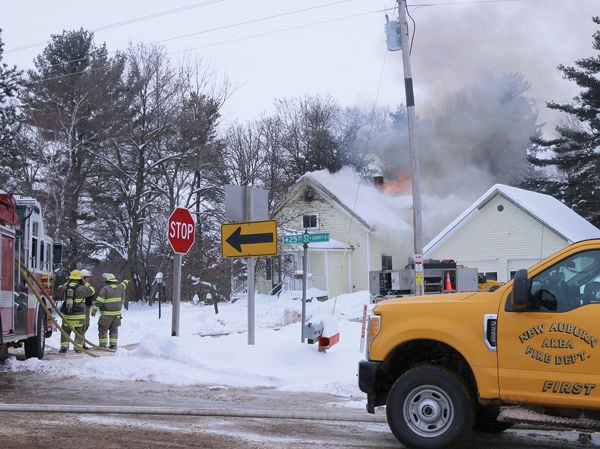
(444, 364)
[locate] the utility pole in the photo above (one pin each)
(414, 154)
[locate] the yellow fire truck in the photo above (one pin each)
(444, 364)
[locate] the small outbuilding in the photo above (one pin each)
(508, 228)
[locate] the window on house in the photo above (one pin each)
(310, 221)
(386, 262)
(493, 275)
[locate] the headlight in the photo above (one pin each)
(374, 327)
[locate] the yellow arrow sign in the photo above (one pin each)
(255, 238)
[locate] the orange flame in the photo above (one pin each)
(400, 184)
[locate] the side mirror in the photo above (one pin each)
(520, 294)
(57, 253)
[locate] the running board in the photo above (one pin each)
(520, 415)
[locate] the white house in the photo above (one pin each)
(368, 230)
(507, 229)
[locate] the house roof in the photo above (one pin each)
(544, 208)
(374, 208)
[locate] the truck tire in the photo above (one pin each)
(430, 407)
(36, 345)
(3, 347)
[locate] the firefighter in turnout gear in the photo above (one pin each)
(89, 301)
(109, 301)
(74, 293)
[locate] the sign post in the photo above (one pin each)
(250, 239)
(305, 239)
(181, 237)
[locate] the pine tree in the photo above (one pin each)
(73, 97)
(10, 81)
(567, 166)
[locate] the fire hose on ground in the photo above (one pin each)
(28, 278)
(194, 411)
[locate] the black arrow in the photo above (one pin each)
(237, 239)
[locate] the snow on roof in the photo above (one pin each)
(382, 211)
(545, 208)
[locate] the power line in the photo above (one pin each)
(126, 22)
(260, 19)
(241, 38)
(282, 30)
(185, 8)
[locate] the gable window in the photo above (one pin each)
(386, 262)
(310, 221)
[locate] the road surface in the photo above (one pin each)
(30, 430)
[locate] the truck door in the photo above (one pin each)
(6, 282)
(549, 353)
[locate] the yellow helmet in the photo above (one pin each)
(75, 275)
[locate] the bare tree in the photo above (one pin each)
(166, 154)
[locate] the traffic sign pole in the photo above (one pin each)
(305, 239)
(304, 270)
(250, 262)
(176, 294)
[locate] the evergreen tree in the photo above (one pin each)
(10, 81)
(567, 166)
(72, 97)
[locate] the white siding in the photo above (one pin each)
(347, 271)
(510, 237)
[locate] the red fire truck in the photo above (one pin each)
(27, 258)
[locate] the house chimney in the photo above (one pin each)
(378, 182)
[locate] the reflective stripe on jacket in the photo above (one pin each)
(109, 299)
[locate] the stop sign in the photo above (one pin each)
(181, 230)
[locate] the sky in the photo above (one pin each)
(269, 49)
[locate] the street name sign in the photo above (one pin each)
(254, 238)
(306, 238)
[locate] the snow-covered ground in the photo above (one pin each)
(213, 349)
